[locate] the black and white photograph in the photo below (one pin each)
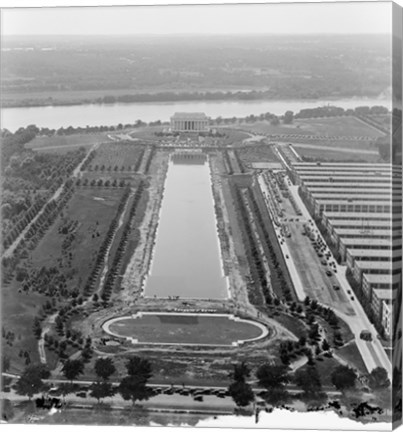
(201, 215)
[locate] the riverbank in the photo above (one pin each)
(90, 115)
(127, 96)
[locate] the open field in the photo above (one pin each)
(65, 142)
(329, 155)
(115, 155)
(261, 153)
(93, 209)
(185, 329)
(336, 126)
(266, 128)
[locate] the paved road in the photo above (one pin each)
(372, 353)
(210, 403)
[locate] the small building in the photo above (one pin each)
(386, 282)
(189, 122)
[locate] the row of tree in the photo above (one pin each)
(102, 183)
(132, 387)
(101, 256)
(114, 269)
(277, 276)
(259, 283)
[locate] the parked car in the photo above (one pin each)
(336, 287)
(329, 273)
(366, 335)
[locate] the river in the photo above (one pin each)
(187, 259)
(113, 114)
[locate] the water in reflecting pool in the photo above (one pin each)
(187, 258)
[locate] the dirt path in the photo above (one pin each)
(140, 262)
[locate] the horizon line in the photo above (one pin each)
(196, 34)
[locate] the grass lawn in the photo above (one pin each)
(120, 154)
(293, 324)
(63, 142)
(93, 209)
(336, 156)
(262, 153)
(18, 312)
(264, 127)
(87, 206)
(184, 329)
(325, 367)
(350, 354)
(336, 126)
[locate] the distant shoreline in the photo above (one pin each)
(109, 98)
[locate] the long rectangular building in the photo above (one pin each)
(365, 224)
(360, 207)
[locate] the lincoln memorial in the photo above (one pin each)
(189, 122)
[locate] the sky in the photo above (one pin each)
(296, 18)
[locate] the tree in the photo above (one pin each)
(72, 369)
(241, 372)
(325, 345)
(104, 368)
(5, 363)
(272, 376)
(133, 388)
(288, 117)
(37, 329)
(343, 377)
(378, 379)
(308, 380)
(101, 389)
(242, 393)
(31, 382)
(139, 367)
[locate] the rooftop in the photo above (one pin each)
(365, 231)
(372, 253)
(373, 242)
(362, 216)
(382, 279)
(340, 164)
(349, 190)
(335, 200)
(190, 116)
(311, 184)
(378, 265)
(368, 224)
(357, 197)
(385, 294)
